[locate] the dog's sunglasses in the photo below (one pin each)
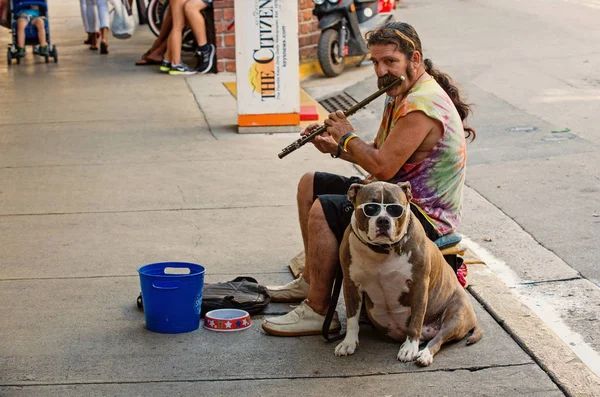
(373, 209)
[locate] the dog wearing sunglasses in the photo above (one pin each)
(410, 291)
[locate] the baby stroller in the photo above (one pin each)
(31, 37)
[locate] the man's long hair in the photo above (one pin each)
(406, 39)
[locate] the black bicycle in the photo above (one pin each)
(155, 12)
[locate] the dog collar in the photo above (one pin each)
(380, 249)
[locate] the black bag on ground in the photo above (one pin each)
(241, 293)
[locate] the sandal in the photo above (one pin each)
(94, 43)
(142, 60)
(147, 61)
(89, 39)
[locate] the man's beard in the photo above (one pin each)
(386, 80)
(389, 79)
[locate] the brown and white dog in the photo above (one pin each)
(410, 291)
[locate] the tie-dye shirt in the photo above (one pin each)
(436, 182)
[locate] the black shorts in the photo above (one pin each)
(331, 190)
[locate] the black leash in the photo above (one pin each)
(335, 294)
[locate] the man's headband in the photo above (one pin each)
(401, 35)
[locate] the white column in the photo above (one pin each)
(267, 65)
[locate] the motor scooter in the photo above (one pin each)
(343, 25)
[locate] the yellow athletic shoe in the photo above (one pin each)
(165, 66)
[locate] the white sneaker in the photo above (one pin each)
(294, 291)
(303, 320)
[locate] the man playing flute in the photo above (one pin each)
(421, 139)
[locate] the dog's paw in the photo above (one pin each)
(347, 347)
(424, 358)
(408, 350)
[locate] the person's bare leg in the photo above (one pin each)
(321, 259)
(167, 56)
(21, 25)
(159, 52)
(159, 47)
(196, 21)
(104, 36)
(174, 44)
(41, 31)
(297, 289)
(94, 41)
(305, 201)
(166, 26)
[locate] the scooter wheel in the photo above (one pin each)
(328, 53)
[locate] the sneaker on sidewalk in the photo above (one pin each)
(295, 291)
(165, 66)
(205, 59)
(301, 321)
(43, 51)
(181, 68)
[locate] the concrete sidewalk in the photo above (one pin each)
(105, 167)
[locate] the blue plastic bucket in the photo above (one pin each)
(172, 296)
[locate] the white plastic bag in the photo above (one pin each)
(123, 23)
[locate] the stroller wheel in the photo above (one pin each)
(18, 60)
(9, 57)
(55, 54)
(47, 58)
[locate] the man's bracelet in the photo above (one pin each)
(343, 143)
(339, 152)
(348, 140)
